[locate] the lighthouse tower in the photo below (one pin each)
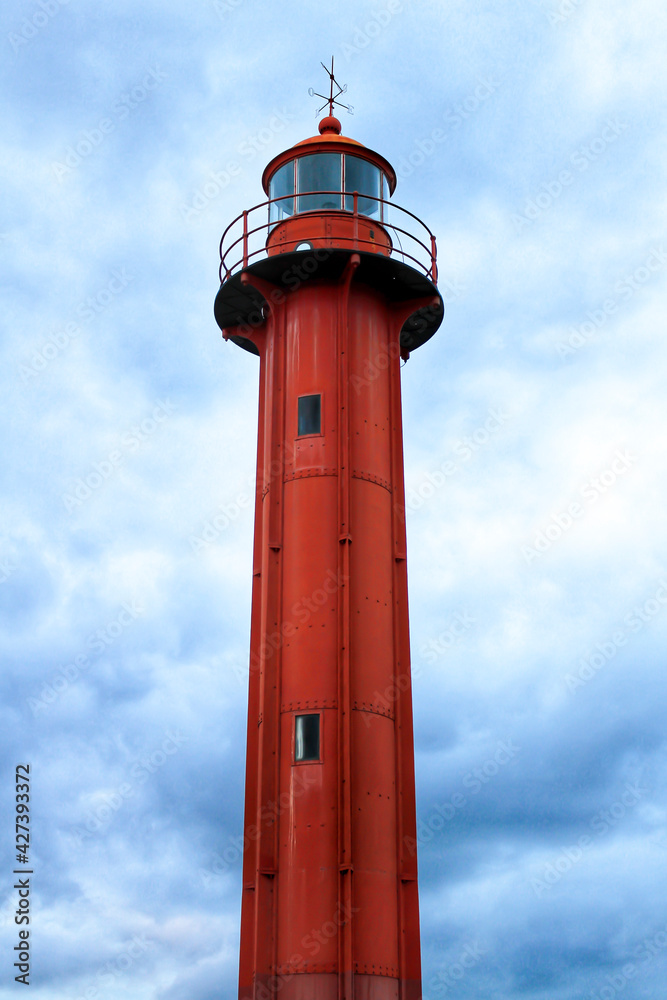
(331, 285)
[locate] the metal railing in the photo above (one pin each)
(250, 245)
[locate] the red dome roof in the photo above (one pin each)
(328, 142)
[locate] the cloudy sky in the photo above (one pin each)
(529, 134)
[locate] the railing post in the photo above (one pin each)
(434, 265)
(355, 213)
(245, 238)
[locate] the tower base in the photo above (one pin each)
(326, 986)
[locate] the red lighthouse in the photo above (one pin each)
(331, 286)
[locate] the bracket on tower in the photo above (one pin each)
(331, 99)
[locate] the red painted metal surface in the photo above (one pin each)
(250, 236)
(330, 230)
(330, 905)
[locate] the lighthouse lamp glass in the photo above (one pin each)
(318, 172)
(282, 184)
(363, 177)
(309, 177)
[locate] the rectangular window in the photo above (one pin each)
(310, 415)
(306, 737)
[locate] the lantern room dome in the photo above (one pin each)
(331, 142)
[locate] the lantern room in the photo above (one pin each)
(346, 184)
(322, 173)
(327, 197)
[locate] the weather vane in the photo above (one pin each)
(331, 99)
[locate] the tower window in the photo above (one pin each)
(306, 737)
(310, 415)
